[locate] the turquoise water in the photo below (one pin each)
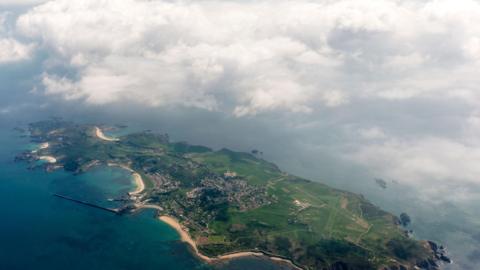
(40, 231)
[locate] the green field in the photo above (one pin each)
(255, 206)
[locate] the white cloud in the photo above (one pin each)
(273, 93)
(391, 85)
(334, 98)
(251, 57)
(11, 50)
(60, 86)
(11, 3)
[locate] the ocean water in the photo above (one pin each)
(41, 231)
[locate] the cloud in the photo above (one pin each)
(440, 167)
(415, 63)
(3, 19)
(351, 90)
(372, 133)
(60, 86)
(11, 50)
(252, 57)
(12, 3)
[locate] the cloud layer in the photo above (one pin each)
(12, 50)
(254, 57)
(278, 58)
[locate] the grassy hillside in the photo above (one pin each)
(232, 201)
(311, 223)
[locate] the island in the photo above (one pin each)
(381, 183)
(227, 204)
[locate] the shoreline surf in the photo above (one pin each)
(185, 237)
(137, 178)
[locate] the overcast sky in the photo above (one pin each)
(387, 89)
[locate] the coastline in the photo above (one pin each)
(185, 237)
(138, 182)
(172, 222)
(197, 233)
(137, 178)
(44, 145)
(99, 133)
(49, 159)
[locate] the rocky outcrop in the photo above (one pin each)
(395, 267)
(439, 256)
(439, 252)
(428, 264)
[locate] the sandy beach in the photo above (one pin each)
(44, 145)
(136, 177)
(49, 159)
(148, 206)
(99, 133)
(239, 254)
(185, 237)
(138, 182)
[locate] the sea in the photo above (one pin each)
(41, 231)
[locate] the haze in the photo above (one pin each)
(338, 91)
